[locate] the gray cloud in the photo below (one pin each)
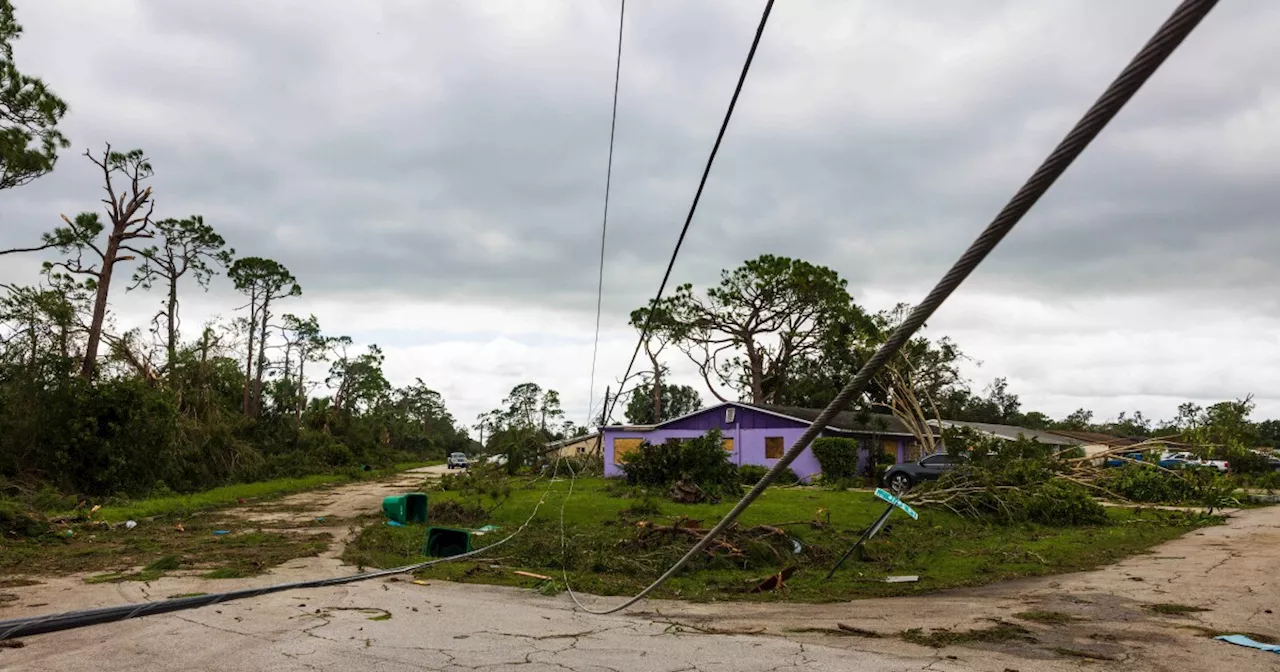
(454, 152)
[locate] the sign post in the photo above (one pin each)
(894, 502)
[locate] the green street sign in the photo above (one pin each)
(889, 497)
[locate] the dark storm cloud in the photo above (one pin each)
(456, 150)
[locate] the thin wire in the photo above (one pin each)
(34, 625)
(1171, 34)
(604, 220)
(742, 78)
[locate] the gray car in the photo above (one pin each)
(902, 477)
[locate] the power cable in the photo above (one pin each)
(644, 332)
(35, 625)
(724, 125)
(604, 220)
(1171, 34)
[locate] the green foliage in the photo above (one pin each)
(17, 520)
(29, 114)
(1142, 483)
(752, 473)
(838, 458)
(677, 400)
(701, 461)
(785, 307)
(1062, 503)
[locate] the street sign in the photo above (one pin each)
(888, 497)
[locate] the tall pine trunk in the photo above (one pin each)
(262, 355)
(100, 306)
(248, 361)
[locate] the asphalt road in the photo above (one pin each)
(439, 626)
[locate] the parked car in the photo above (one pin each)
(457, 461)
(1188, 459)
(1115, 462)
(903, 477)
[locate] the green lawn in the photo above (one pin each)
(608, 554)
(182, 505)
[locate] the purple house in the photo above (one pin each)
(760, 434)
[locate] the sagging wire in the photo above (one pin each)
(604, 220)
(1155, 52)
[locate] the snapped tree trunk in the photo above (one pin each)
(100, 307)
(172, 318)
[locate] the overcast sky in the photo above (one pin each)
(433, 174)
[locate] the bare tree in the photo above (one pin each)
(129, 207)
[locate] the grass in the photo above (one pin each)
(217, 498)
(609, 555)
(1077, 653)
(157, 549)
(1174, 609)
(1047, 617)
(943, 637)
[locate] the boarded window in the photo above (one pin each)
(727, 444)
(891, 448)
(773, 447)
(623, 446)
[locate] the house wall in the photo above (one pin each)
(749, 430)
(748, 446)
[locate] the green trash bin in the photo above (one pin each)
(445, 542)
(403, 509)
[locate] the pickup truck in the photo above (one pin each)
(457, 461)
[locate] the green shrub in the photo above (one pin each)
(17, 520)
(1142, 483)
(1062, 503)
(752, 473)
(701, 461)
(838, 459)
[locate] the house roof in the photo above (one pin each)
(849, 421)
(1013, 432)
(845, 421)
(565, 442)
(1095, 437)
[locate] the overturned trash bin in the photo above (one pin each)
(445, 542)
(410, 508)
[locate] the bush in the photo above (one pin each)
(1141, 483)
(17, 520)
(1063, 503)
(752, 473)
(701, 462)
(838, 459)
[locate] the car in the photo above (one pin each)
(1188, 459)
(1117, 462)
(903, 477)
(457, 461)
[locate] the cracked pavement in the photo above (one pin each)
(439, 626)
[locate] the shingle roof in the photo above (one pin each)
(1012, 432)
(852, 421)
(1095, 437)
